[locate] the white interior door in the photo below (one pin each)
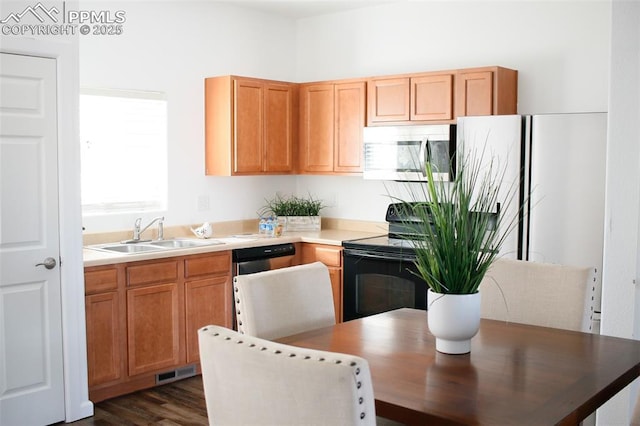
(31, 362)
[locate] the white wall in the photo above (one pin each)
(560, 49)
(620, 290)
(171, 47)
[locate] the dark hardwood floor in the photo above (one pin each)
(177, 403)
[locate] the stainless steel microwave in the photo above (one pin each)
(400, 153)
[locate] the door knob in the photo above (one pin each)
(48, 263)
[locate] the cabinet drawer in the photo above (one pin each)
(208, 265)
(329, 255)
(97, 281)
(152, 273)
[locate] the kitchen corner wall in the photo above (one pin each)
(561, 50)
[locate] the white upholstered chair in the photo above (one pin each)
(282, 302)
(543, 294)
(286, 301)
(252, 381)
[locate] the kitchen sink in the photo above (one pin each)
(127, 248)
(178, 243)
(151, 246)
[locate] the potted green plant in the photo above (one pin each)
(295, 213)
(463, 229)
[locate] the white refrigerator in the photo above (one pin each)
(558, 163)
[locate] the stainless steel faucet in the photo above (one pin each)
(137, 231)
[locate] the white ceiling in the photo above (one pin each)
(297, 9)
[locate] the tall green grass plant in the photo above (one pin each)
(462, 227)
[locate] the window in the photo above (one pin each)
(123, 136)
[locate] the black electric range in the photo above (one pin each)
(399, 241)
(380, 273)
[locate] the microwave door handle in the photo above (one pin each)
(423, 156)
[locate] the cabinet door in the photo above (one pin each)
(153, 326)
(432, 98)
(104, 332)
(105, 327)
(388, 100)
(335, 274)
(248, 126)
(349, 122)
(207, 301)
(474, 93)
(278, 132)
(332, 257)
(316, 128)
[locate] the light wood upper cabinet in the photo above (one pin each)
(332, 116)
(280, 116)
(316, 127)
(250, 126)
(248, 121)
(441, 97)
(486, 91)
(388, 100)
(420, 98)
(432, 97)
(350, 112)
(256, 126)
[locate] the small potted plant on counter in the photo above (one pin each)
(295, 213)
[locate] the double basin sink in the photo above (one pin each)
(129, 247)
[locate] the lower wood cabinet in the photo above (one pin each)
(331, 256)
(106, 325)
(104, 331)
(142, 318)
(153, 328)
(207, 297)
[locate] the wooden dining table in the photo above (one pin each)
(516, 374)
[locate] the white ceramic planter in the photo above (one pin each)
(300, 223)
(453, 320)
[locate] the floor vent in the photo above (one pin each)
(178, 374)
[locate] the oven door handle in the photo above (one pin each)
(382, 256)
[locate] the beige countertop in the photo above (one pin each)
(329, 236)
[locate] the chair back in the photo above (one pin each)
(542, 294)
(252, 381)
(286, 301)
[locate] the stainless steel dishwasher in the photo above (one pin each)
(257, 259)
